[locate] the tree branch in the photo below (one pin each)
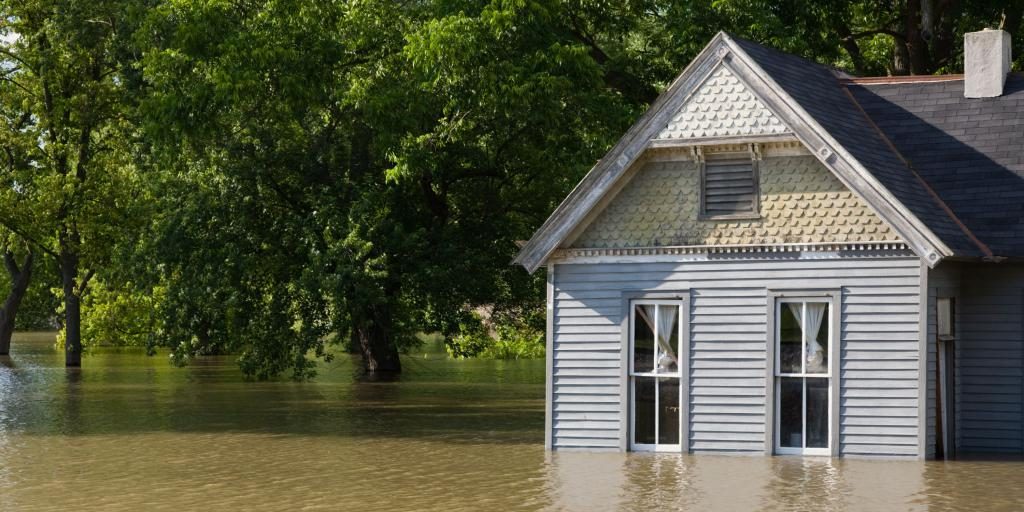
(18, 85)
(31, 240)
(875, 32)
(85, 282)
(14, 56)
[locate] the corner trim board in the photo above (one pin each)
(922, 363)
(549, 362)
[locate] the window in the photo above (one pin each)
(944, 320)
(654, 373)
(945, 403)
(803, 349)
(729, 187)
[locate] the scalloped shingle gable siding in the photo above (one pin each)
(801, 202)
(721, 107)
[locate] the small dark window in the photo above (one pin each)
(729, 188)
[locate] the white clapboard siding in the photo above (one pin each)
(728, 322)
(989, 359)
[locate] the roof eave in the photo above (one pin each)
(833, 155)
(723, 50)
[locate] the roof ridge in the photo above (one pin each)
(935, 196)
(832, 69)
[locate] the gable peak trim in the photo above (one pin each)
(579, 205)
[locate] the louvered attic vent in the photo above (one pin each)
(729, 188)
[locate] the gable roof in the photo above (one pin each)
(822, 112)
(971, 152)
(823, 95)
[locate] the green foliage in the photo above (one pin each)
(471, 340)
(516, 336)
(516, 343)
(281, 179)
(122, 316)
(67, 181)
(467, 345)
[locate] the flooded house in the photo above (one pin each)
(780, 258)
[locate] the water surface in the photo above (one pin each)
(131, 432)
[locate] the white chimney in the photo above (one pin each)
(986, 63)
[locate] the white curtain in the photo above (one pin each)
(663, 332)
(814, 354)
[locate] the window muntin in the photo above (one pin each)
(802, 376)
(729, 188)
(654, 373)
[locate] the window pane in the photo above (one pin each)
(791, 412)
(643, 339)
(790, 338)
(817, 413)
(668, 413)
(643, 410)
(944, 316)
(668, 338)
(817, 347)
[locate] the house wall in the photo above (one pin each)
(990, 355)
(879, 341)
(800, 202)
(943, 281)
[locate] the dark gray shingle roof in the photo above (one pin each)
(822, 94)
(969, 150)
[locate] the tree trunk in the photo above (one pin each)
(19, 285)
(917, 47)
(373, 337)
(72, 310)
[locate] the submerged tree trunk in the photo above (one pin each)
(20, 278)
(72, 310)
(373, 337)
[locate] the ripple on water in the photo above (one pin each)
(130, 432)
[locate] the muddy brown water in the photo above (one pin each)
(130, 432)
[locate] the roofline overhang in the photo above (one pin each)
(722, 50)
(922, 240)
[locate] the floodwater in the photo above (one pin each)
(130, 432)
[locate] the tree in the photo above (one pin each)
(21, 277)
(277, 177)
(260, 169)
(873, 37)
(63, 83)
(350, 177)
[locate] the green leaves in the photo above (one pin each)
(274, 177)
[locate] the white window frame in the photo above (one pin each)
(678, 374)
(778, 375)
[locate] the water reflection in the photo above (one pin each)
(130, 432)
(586, 481)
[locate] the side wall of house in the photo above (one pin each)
(879, 342)
(989, 357)
(943, 281)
